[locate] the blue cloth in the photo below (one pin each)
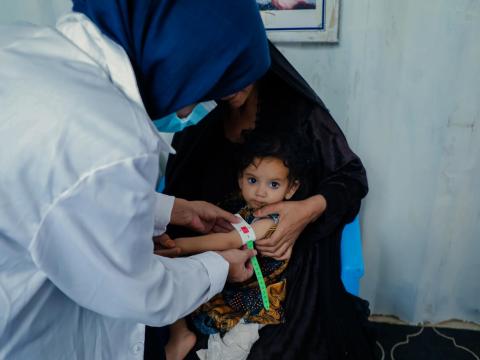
(352, 257)
(185, 51)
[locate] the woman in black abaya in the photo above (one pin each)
(323, 321)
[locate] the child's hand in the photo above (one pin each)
(165, 246)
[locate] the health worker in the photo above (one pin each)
(79, 163)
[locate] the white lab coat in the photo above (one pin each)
(78, 165)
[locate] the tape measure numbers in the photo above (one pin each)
(261, 281)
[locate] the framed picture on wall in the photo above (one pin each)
(300, 20)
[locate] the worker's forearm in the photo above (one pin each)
(219, 241)
(216, 241)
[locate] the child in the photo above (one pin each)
(270, 171)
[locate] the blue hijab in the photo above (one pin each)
(185, 51)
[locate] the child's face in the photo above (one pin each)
(265, 181)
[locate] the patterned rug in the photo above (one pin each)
(401, 342)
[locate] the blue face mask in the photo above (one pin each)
(172, 123)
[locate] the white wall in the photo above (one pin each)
(43, 12)
(404, 85)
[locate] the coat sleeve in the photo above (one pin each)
(338, 174)
(163, 209)
(95, 244)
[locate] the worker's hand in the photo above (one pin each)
(240, 268)
(201, 216)
(165, 246)
(294, 217)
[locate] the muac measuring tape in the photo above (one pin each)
(248, 237)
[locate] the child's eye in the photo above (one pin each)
(251, 180)
(274, 185)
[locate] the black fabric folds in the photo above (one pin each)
(323, 321)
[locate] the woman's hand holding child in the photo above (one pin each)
(294, 217)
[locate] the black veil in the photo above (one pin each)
(282, 68)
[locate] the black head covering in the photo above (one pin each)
(282, 68)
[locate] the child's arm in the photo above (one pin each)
(220, 241)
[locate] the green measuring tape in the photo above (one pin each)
(247, 234)
(261, 281)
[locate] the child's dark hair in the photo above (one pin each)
(285, 146)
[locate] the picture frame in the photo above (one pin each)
(306, 21)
